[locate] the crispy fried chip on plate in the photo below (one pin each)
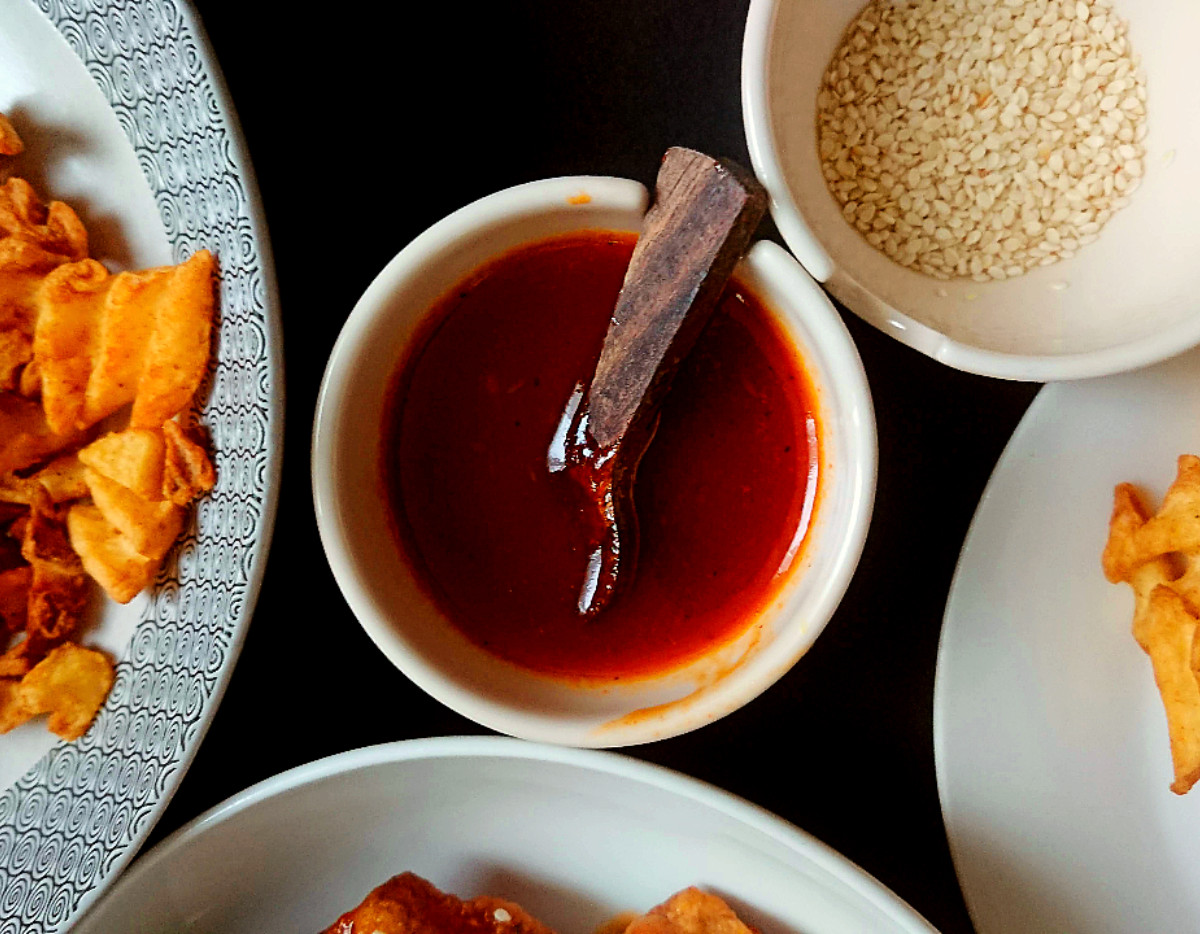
(108, 556)
(1174, 528)
(54, 227)
(34, 240)
(408, 904)
(689, 912)
(1167, 631)
(77, 344)
(58, 590)
(149, 526)
(61, 480)
(12, 712)
(1128, 515)
(133, 458)
(140, 482)
(28, 438)
(187, 471)
(66, 338)
(23, 267)
(178, 352)
(104, 341)
(10, 142)
(1157, 555)
(14, 600)
(70, 684)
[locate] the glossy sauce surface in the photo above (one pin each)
(724, 494)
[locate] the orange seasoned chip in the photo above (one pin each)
(1167, 631)
(177, 354)
(28, 438)
(1176, 525)
(690, 911)
(77, 345)
(61, 480)
(70, 684)
(58, 590)
(133, 458)
(10, 141)
(28, 252)
(14, 601)
(12, 711)
(54, 227)
(1159, 556)
(16, 351)
(108, 556)
(126, 327)
(66, 338)
(188, 472)
(1129, 514)
(104, 341)
(149, 526)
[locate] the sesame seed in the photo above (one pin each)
(981, 140)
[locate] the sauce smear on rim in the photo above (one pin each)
(724, 494)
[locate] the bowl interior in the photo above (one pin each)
(555, 830)
(1132, 290)
(405, 623)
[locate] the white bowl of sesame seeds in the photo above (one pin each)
(1094, 264)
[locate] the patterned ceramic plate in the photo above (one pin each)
(126, 118)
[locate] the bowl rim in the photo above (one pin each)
(467, 750)
(799, 236)
(845, 377)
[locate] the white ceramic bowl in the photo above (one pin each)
(573, 836)
(383, 593)
(1129, 299)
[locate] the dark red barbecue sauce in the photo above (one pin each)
(724, 494)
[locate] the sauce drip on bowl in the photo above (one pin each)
(724, 492)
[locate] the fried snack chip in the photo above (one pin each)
(34, 239)
(103, 341)
(689, 912)
(150, 526)
(1159, 556)
(140, 482)
(54, 228)
(10, 142)
(187, 470)
(70, 684)
(23, 267)
(61, 480)
(178, 352)
(27, 437)
(58, 590)
(1174, 529)
(12, 712)
(108, 556)
(14, 601)
(77, 345)
(1167, 632)
(408, 904)
(133, 458)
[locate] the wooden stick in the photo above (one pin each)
(704, 213)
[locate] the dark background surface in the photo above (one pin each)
(368, 123)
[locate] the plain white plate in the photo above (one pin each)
(1052, 754)
(126, 119)
(574, 836)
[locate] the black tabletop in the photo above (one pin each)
(368, 122)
